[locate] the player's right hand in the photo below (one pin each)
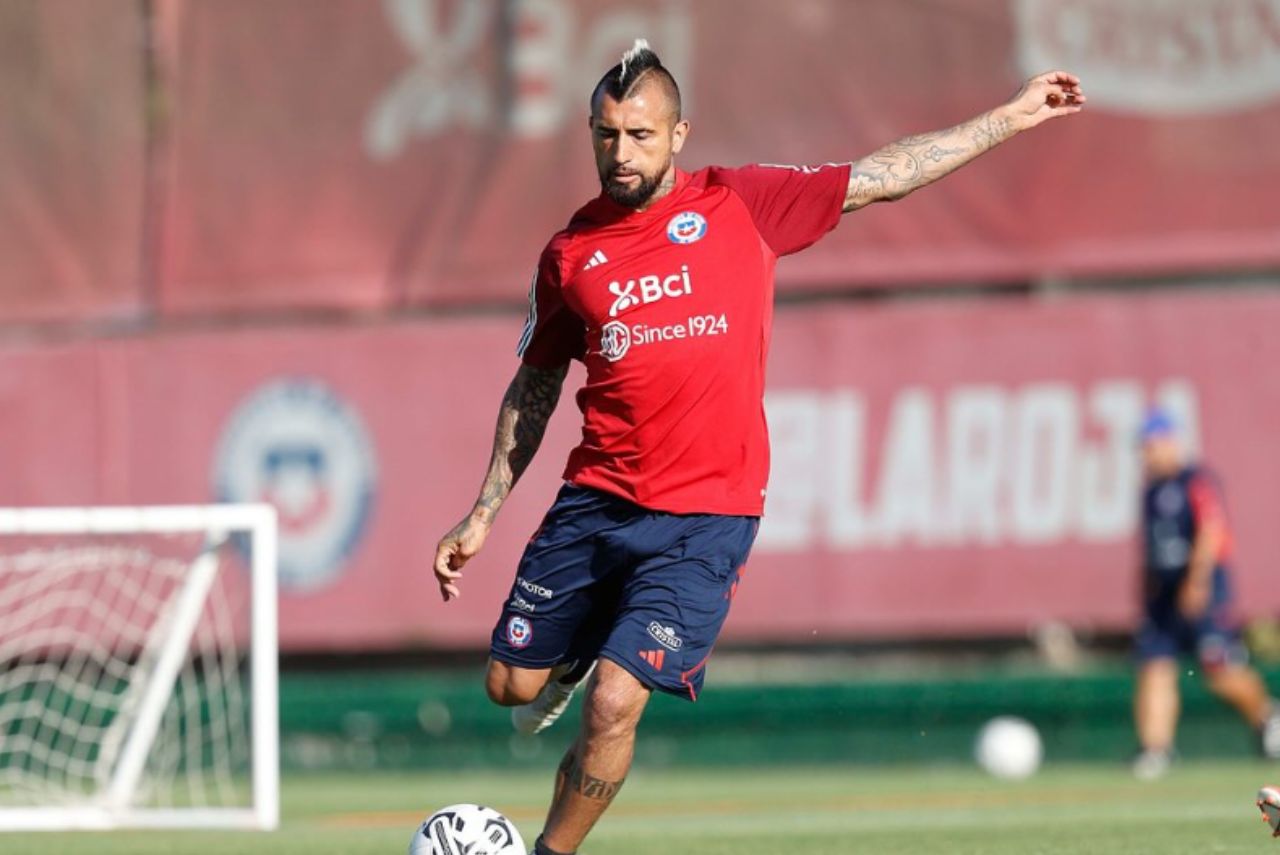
(454, 550)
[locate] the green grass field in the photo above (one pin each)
(1200, 808)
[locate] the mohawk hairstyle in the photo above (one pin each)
(638, 65)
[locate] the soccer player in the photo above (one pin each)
(1187, 602)
(663, 287)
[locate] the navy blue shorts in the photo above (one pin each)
(603, 577)
(1212, 638)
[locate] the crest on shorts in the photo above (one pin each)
(519, 632)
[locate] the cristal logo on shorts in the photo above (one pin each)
(666, 636)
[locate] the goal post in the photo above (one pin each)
(138, 668)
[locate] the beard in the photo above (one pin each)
(632, 197)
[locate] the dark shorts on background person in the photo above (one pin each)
(1213, 638)
(603, 577)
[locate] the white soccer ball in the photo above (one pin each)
(1009, 747)
(467, 830)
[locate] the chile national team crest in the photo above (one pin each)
(687, 227)
(519, 632)
(296, 445)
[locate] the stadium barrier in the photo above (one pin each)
(410, 719)
(940, 470)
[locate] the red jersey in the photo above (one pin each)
(670, 309)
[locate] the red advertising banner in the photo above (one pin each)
(939, 470)
(423, 152)
(350, 155)
(71, 160)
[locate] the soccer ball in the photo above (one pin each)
(466, 830)
(1009, 747)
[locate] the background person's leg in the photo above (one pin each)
(1155, 704)
(1242, 688)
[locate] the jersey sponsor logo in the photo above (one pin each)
(666, 636)
(597, 258)
(648, 289)
(687, 227)
(296, 445)
(519, 632)
(617, 339)
(654, 658)
(536, 590)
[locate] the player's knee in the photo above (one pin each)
(614, 709)
(509, 687)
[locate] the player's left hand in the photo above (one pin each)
(1193, 598)
(1046, 96)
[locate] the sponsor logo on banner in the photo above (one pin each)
(554, 45)
(666, 636)
(1173, 57)
(298, 446)
(687, 227)
(519, 632)
(1033, 465)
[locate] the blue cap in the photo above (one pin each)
(1157, 423)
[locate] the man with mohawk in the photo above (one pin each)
(663, 287)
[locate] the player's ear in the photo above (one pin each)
(678, 134)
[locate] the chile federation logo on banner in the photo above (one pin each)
(294, 444)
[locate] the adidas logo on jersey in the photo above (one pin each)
(597, 259)
(651, 289)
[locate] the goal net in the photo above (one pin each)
(138, 668)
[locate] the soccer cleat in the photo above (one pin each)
(1151, 764)
(1269, 803)
(1269, 736)
(542, 712)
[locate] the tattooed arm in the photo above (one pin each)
(522, 420)
(915, 161)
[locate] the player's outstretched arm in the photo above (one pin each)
(912, 162)
(522, 420)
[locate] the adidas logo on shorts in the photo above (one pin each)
(655, 658)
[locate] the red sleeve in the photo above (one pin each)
(792, 206)
(553, 334)
(1206, 504)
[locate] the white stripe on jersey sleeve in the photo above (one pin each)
(532, 321)
(807, 170)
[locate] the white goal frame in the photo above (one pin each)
(113, 808)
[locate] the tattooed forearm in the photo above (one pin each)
(522, 420)
(912, 162)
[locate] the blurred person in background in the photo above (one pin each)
(1187, 602)
(663, 287)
